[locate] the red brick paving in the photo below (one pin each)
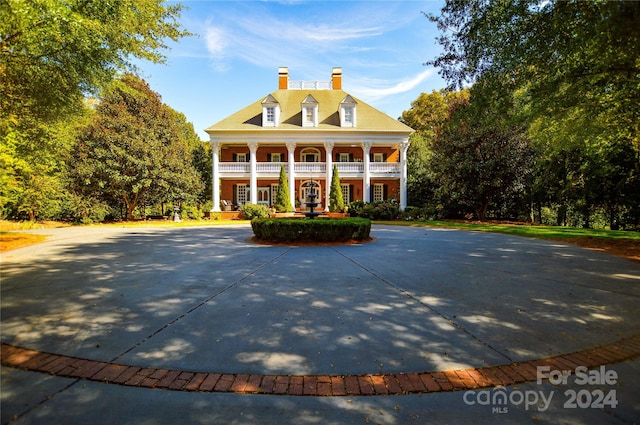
(313, 385)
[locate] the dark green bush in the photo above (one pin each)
(308, 230)
(377, 210)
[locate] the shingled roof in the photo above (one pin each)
(369, 119)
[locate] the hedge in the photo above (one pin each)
(308, 230)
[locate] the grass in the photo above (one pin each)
(530, 231)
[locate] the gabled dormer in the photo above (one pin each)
(348, 112)
(309, 112)
(270, 112)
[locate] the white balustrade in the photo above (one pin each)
(315, 168)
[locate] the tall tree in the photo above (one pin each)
(53, 54)
(574, 67)
(478, 165)
(428, 113)
(134, 150)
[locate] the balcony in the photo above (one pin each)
(308, 169)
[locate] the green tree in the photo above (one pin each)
(336, 200)
(53, 54)
(428, 113)
(133, 151)
(477, 165)
(283, 203)
(571, 69)
(202, 162)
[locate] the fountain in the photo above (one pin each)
(311, 196)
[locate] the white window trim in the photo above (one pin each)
(348, 104)
(270, 102)
(378, 157)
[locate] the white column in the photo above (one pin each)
(404, 146)
(215, 179)
(366, 181)
(291, 149)
(253, 182)
(328, 147)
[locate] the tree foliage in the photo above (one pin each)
(336, 199)
(428, 113)
(54, 55)
(134, 150)
(568, 71)
(283, 203)
(477, 165)
(55, 52)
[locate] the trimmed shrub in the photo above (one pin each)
(308, 230)
(251, 211)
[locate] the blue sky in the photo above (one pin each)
(233, 61)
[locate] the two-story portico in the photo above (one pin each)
(307, 127)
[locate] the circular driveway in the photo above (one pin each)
(417, 299)
(206, 299)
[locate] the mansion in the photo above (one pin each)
(307, 127)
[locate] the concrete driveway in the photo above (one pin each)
(345, 328)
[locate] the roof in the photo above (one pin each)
(369, 119)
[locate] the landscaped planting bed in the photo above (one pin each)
(287, 230)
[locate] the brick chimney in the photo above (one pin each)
(283, 78)
(336, 79)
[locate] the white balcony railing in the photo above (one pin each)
(308, 168)
(384, 167)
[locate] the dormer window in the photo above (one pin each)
(309, 112)
(270, 112)
(348, 112)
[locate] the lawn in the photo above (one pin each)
(616, 242)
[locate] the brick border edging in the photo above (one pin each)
(313, 385)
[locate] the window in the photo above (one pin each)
(310, 155)
(270, 112)
(346, 192)
(242, 194)
(274, 157)
(348, 112)
(378, 157)
(378, 192)
(348, 116)
(344, 157)
(274, 193)
(241, 157)
(309, 112)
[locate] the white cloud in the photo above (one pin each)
(215, 40)
(371, 89)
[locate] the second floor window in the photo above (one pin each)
(240, 157)
(275, 157)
